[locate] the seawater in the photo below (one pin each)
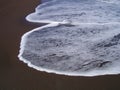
(81, 39)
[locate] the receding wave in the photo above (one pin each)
(81, 39)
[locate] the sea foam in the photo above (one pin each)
(79, 11)
(82, 39)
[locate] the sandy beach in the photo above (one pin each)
(16, 75)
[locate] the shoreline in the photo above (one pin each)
(16, 75)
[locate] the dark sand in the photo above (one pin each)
(16, 75)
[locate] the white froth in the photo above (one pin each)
(84, 11)
(29, 44)
(82, 38)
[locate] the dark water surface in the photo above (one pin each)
(16, 75)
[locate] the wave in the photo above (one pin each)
(81, 39)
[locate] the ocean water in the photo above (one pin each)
(77, 11)
(45, 1)
(82, 38)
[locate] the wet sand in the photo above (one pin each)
(16, 75)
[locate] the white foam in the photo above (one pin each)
(70, 50)
(111, 1)
(84, 11)
(82, 38)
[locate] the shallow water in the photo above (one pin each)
(85, 11)
(16, 75)
(82, 41)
